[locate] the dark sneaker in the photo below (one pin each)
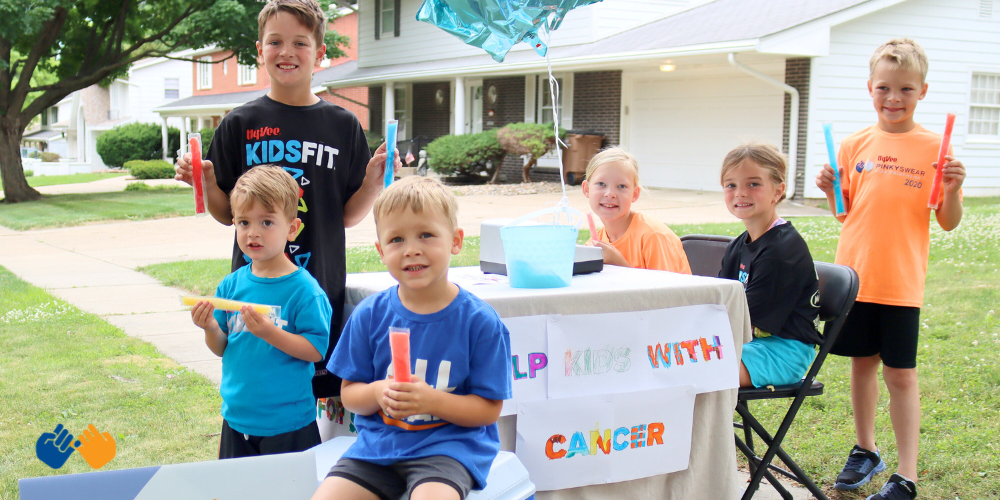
(861, 466)
(896, 488)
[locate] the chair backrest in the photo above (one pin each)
(838, 288)
(704, 252)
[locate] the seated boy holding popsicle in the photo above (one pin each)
(267, 360)
(418, 440)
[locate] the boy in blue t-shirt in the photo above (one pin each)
(418, 440)
(267, 361)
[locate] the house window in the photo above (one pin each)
(205, 73)
(545, 105)
(386, 18)
(984, 106)
(171, 88)
(246, 75)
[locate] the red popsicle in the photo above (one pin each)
(198, 176)
(399, 343)
(934, 201)
(593, 229)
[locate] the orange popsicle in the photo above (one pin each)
(197, 175)
(399, 343)
(934, 201)
(593, 229)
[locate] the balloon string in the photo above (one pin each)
(554, 94)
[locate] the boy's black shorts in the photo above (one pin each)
(890, 331)
(391, 482)
(235, 444)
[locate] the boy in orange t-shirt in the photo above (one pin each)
(887, 170)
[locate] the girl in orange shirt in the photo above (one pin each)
(628, 238)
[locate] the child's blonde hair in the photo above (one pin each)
(269, 185)
(767, 156)
(614, 154)
(307, 12)
(419, 194)
(901, 53)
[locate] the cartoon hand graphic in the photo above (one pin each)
(97, 449)
(54, 448)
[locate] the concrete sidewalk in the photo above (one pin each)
(93, 266)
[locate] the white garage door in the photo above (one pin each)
(682, 124)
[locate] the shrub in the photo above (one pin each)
(135, 141)
(374, 141)
(142, 186)
(29, 173)
(467, 154)
(531, 139)
(150, 169)
(47, 156)
(207, 134)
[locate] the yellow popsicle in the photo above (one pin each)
(225, 304)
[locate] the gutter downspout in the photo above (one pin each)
(793, 119)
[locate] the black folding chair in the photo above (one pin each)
(838, 288)
(704, 252)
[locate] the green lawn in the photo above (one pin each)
(74, 209)
(52, 180)
(59, 365)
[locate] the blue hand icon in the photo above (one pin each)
(54, 448)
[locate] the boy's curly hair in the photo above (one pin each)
(901, 53)
(269, 185)
(308, 12)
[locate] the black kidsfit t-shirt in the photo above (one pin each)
(780, 281)
(325, 150)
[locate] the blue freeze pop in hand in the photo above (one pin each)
(838, 195)
(390, 150)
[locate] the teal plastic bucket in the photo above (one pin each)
(539, 256)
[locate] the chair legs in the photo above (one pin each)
(751, 425)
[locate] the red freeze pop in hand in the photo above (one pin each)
(593, 229)
(197, 175)
(399, 343)
(934, 201)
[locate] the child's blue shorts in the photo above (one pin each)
(777, 361)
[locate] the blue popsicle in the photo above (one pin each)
(838, 195)
(390, 150)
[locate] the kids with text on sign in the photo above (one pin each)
(628, 238)
(774, 265)
(886, 175)
(320, 144)
(267, 361)
(436, 436)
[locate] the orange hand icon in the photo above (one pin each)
(97, 448)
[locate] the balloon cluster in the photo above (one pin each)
(497, 25)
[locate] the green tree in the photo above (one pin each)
(51, 48)
(533, 140)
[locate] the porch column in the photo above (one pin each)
(459, 105)
(163, 137)
(389, 98)
(184, 134)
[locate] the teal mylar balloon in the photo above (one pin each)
(497, 25)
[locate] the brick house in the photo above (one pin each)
(219, 87)
(680, 82)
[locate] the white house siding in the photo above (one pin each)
(957, 42)
(681, 124)
(419, 41)
(147, 89)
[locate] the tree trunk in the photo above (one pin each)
(526, 171)
(15, 185)
(497, 165)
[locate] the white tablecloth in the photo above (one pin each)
(712, 470)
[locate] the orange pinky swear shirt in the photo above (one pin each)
(886, 235)
(650, 244)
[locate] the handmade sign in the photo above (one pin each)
(649, 349)
(529, 360)
(571, 442)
